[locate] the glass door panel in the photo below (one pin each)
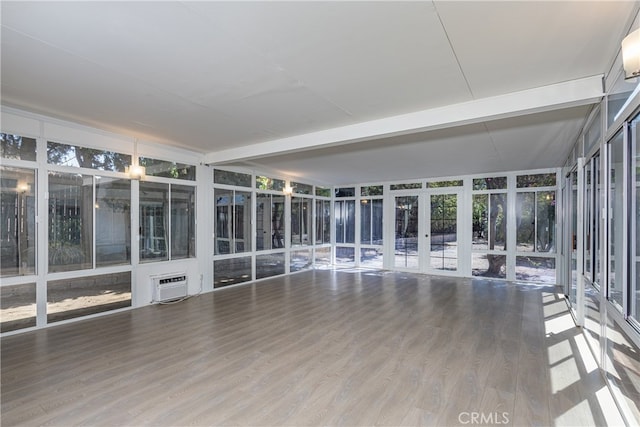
(443, 232)
(406, 253)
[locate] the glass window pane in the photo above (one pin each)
(480, 221)
(17, 147)
(616, 224)
(346, 192)
(70, 298)
(377, 225)
(492, 183)
(440, 184)
(70, 221)
(264, 233)
(300, 260)
(372, 190)
(231, 178)
(536, 269)
(345, 255)
(635, 194)
(266, 183)
(18, 226)
(299, 188)
(154, 204)
(537, 180)
(617, 97)
(91, 158)
(322, 256)
(113, 221)
(300, 221)
(242, 221)
(365, 221)
(323, 192)
(371, 257)
(525, 221)
(323, 222)
(489, 265)
(224, 223)
(165, 169)
(498, 222)
(17, 307)
(231, 271)
(183, 221)
(269, 265)
(406, 232)
(345, 221)
(444, 232)
(593, 134)
(406, 186)
(545, 221)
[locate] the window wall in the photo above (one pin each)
(489, 241)
(344, 212)
(371, 226)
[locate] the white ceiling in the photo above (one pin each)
(216, 76)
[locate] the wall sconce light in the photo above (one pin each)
(631, 55)
(288, 190)
(136, 171)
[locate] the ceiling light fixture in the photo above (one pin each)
(134, 170)
(631, 55)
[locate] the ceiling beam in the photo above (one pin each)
(547, 98)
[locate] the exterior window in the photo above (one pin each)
(346, 192)
(537, 180)
(231, 178)
(493, 183)
(489, 233)
(17, 307)
(82, 296)
(269, 221)
(300, 221)
(323, 192)
(268, 265)
(90, 158)
(299, 188)
(70, 221)
(635, 239)
(233, 221)
(372, 190)
(345, 217)
(441, 184)
(17, 147)
(265, 183)
(616, 222)
(371, 221)
(406, 186)
(154, 205)
(535, 220)
(183, 221)
(18, 216)
(227, 272)
(323, 222)
(113, 221)
(165, 169)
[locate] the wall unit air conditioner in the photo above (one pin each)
(167, 287)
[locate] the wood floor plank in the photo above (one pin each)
(321, 347)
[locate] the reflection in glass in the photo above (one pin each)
(70, 298)
(536, 269)
(300, 260)
(154, 204)
(322, 256)
(269, 221)
(345, 255)
(113, 221)
(231, 178)
(489, 265)
(616, 236)
(525, 221)
(17, 147)
(163, 168)
(344, 211)
(17, 307)
(371, 257)
(444, 232)
(300, 221)
(269, 265)
(183, 221)
(91, 158)
(70, 221)
(371, 221)
(233, 221)
(18, 226)
(231, 271)
(323, 222)
(406, 232)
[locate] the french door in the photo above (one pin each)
(426, 231)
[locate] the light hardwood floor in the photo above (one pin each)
(321, 347)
